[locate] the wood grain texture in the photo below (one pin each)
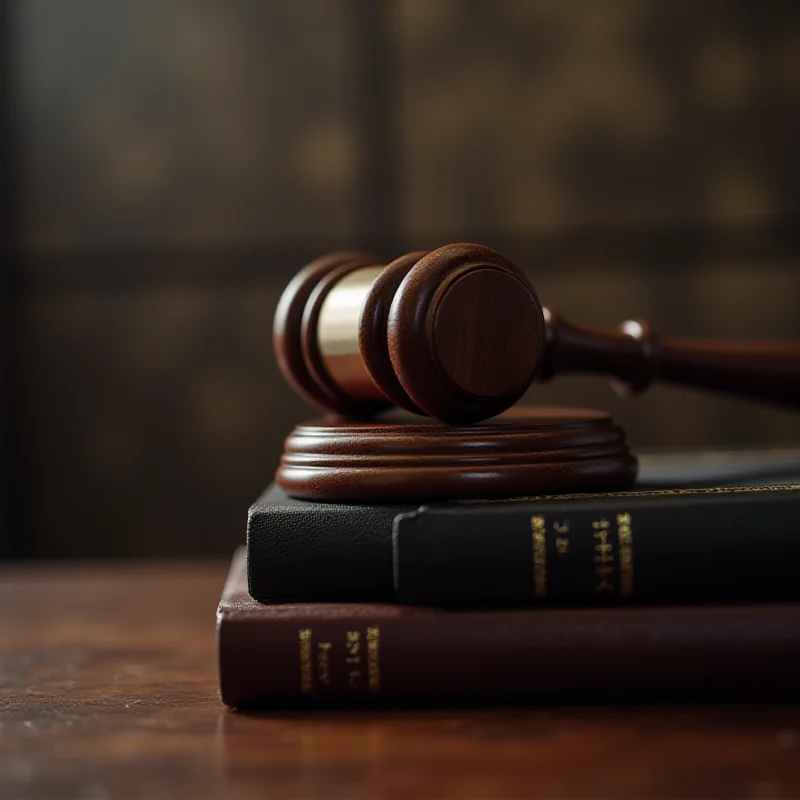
(456, 334)
(525, 451)
(109, 690)
(634, 356)
(373, 333)
(465, 336)
(483, 334)
(491, 322)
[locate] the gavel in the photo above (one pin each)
(459, 334)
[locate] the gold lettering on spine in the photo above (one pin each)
(306, 668)
(625, 535)
(604, 556)
(353, 659)
(324, 663)
(539, 539)
(562, 539)
(374, 659)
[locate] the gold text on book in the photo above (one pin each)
(539, 537)
(324, 663)
(374, 658)
(306, 669)
(625, 539)
(603, 556)
(353, 659)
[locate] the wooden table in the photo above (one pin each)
(108, 684)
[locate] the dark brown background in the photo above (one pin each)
(167, 166)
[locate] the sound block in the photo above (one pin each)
(526, 451)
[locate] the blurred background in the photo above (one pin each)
(167, 166)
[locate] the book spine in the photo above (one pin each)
(678, 653)
(320, 551)
(670, 546)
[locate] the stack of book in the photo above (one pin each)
(686, 587)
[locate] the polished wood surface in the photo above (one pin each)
(635, 356)
(108, 690)
(458, 334)
(465, 333)
(526, 451)
(373, 331)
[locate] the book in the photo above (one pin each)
(302, 654)
(669, 545)
(713, 524)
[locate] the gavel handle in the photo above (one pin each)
(634, 357)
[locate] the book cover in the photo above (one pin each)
(670, 545)
(302, 654)
(303, 551)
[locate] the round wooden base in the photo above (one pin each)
(526, 451)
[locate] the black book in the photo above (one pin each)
(720, 526)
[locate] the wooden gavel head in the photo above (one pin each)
(456, 334)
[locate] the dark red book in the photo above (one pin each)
(355, 653)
